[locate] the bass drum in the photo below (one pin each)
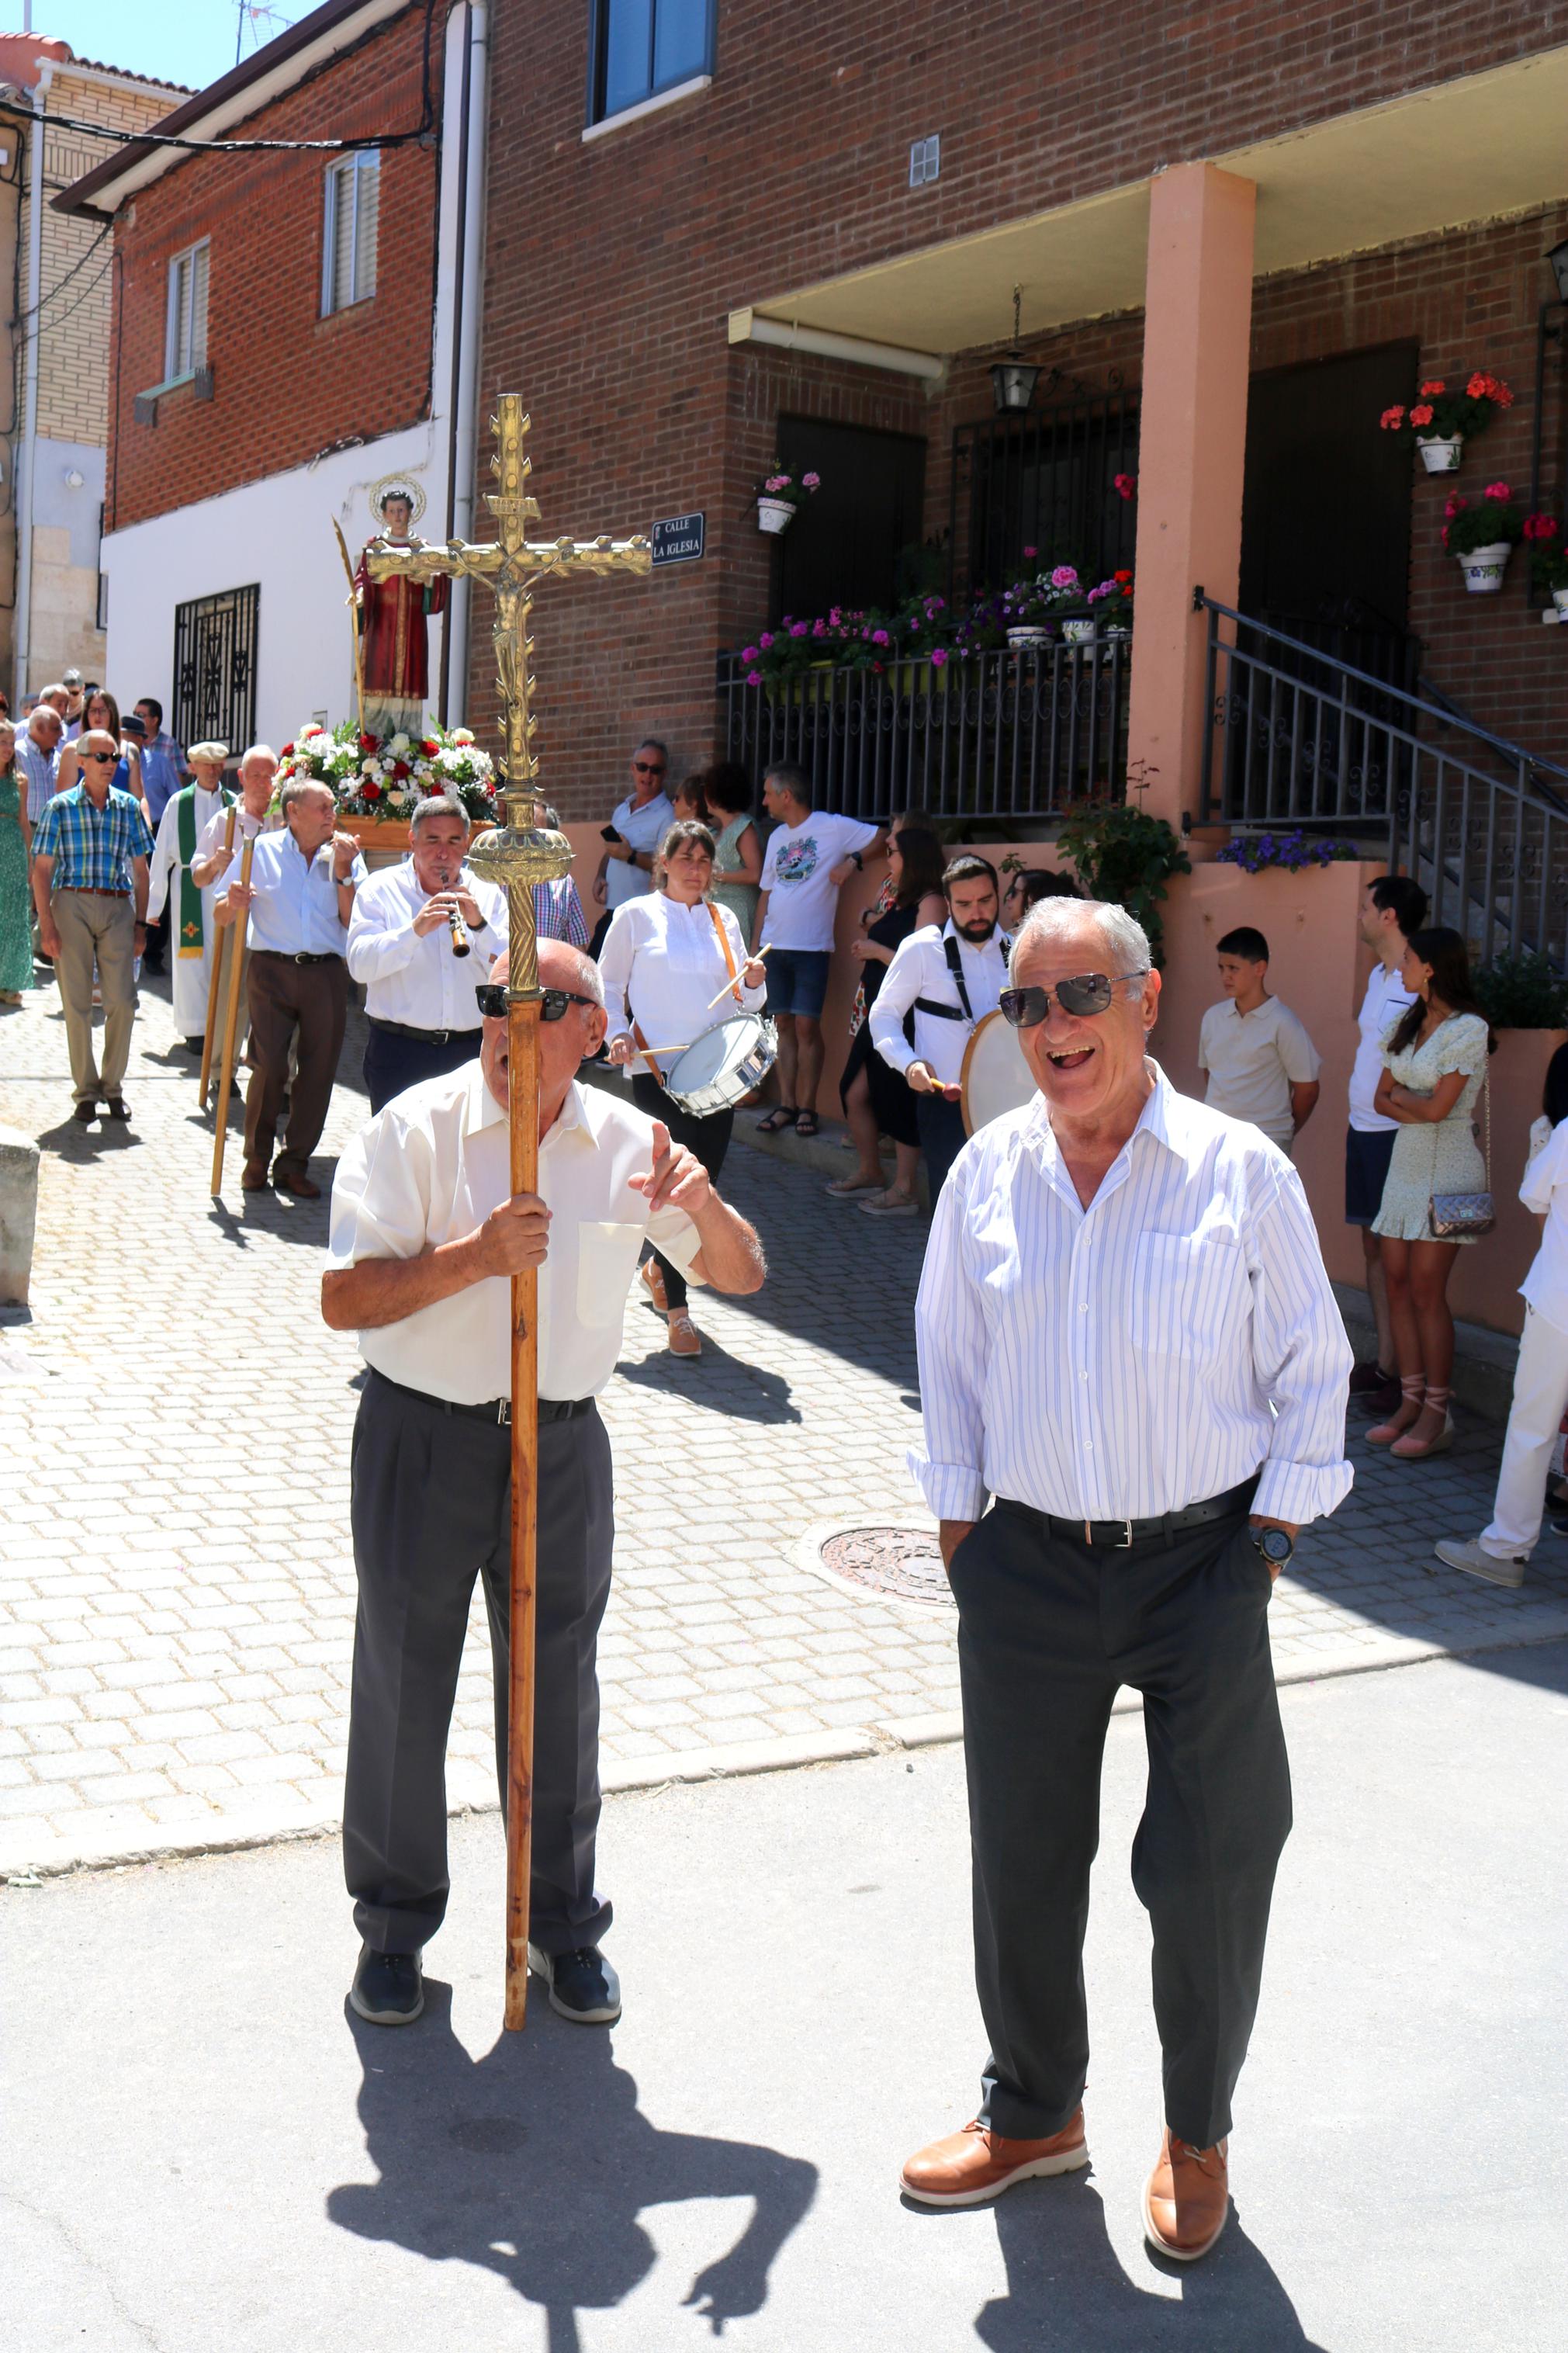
(996, 1077)
(718, 1070)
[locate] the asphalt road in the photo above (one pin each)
(203, 2149)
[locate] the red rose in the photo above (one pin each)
(287, 752)
(369, 742)
(429, 746)
(400, 768)
(369, 791)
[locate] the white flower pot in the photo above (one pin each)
(775, 514)
(1483, 567)
(1560, 599)
(1079, 633)
(1439, 456)
(1028, 640)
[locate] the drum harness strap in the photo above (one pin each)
(953, 1012)
(723, 938)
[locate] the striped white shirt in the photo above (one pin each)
(1141, 1355)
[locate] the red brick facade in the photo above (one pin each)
(612, 266)
(287, 381)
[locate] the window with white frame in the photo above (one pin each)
(186, 339)
(640, 47)
(348, 247)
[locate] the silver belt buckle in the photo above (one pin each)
(1126, 1543)
(503, 1412)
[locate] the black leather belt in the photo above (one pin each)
(422, 1037)
(284, 956)
(1121, 1535)
(497, 1411)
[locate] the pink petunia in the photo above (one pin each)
(1064, 576)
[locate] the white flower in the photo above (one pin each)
(398, 745)
(462, 736)
(396, 798)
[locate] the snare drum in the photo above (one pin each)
(996, 1077)
(719, 1068)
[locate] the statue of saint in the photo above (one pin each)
(393, 623)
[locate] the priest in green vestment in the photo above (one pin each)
(192, 931)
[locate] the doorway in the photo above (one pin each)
(856, 540)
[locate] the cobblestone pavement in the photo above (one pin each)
(176, 1585)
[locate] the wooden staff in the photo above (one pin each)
(210, 1032)
(231, 1019)
(522, 1092)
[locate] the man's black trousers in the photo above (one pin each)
(431, 1507)
(394, 1063)
(1048, 1630)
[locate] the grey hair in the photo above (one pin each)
(437, 804)
(266, 751)
(1052, 919)
(585, 972)
(296, 787)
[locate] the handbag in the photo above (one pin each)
(1455, 1216)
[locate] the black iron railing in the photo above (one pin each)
(989, 736)
(1297, 738)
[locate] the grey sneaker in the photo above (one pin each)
(1466, 1553)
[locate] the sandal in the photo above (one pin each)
(780, 1115)
(848, 1188)
(806, 1124)
(894, 1202)
(685, 1340)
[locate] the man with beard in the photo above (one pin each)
(949, 980)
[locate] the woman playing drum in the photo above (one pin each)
(665, 957)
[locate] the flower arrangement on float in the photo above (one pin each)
(384, 777)
(1443, 420)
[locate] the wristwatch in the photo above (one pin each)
(1275, 1545)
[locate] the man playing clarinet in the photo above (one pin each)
(425, 1235)
(420, 936)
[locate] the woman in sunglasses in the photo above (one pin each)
(664, 960)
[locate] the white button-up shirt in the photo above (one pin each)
(919, 969)
(414, 980)
(295, 910)
(245, 828)
(642, 825)
(1386, 999)
(662, 966)
(1139, 1356)
(432, 1166)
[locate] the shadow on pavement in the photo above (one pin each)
(1068, 2293)
(535, 2162)
(748, 1393)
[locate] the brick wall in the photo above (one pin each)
(288, 383)
(611, 267)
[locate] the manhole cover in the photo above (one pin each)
(903, 1561)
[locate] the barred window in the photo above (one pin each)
(185, 340)
(349, 243)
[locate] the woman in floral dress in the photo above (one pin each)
(1435, 1058)
(16, 857)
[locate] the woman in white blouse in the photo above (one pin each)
(665, 958)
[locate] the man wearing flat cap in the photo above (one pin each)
(185, 817)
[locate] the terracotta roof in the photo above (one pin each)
(129, 73)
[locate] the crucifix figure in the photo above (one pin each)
(518, 857)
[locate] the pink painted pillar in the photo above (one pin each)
(1192, 440)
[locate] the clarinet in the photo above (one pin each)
(459, 936)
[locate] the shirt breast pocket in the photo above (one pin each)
(607, 1260)
(1189, 1297)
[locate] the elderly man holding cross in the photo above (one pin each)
(426, 1232)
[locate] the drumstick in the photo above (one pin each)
(725, 991)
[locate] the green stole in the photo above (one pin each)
(192, 938)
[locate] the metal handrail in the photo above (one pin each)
(1515, 753)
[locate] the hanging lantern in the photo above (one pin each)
(1013, 380)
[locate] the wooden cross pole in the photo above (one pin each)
(518, 857)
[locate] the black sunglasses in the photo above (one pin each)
(1087, 992)
(649, 768)
(552, 1002)
(107, 759)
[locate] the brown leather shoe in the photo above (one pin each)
(973, 2165)
(1187, 2197)
(253, 1176)
(294, 1180)
(652, 1280)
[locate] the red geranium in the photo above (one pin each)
(1422, 412)
(1433, 388)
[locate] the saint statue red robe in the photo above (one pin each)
(393, 617)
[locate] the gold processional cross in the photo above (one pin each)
(518, 856)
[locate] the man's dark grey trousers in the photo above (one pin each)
(1049, 1629)
(431, 1510)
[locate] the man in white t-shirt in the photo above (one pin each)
(1262, 1066)
(1391, 909)
(633, 834)
(808, 859)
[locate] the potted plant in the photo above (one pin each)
(1119, 852)
(779, 494)
(1443, 420)
(1482, 538)
(1254, 851)
(1113, 602)
(1548, 558)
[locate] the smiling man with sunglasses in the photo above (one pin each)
(91, 849)
(1128, 1342)
(425, 1233)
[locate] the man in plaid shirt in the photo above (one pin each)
(91, 849)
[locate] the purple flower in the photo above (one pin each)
(754, 678)
(939, 658)
(798, 629)
(765, 640)
(1064, 576)
(749, 653)
(880, 638)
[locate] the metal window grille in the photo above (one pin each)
(1044, 480)
(925, 160)
(351, 229)
(215, 666)
(186, 339)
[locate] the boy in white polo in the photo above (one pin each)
(1261, 1064)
